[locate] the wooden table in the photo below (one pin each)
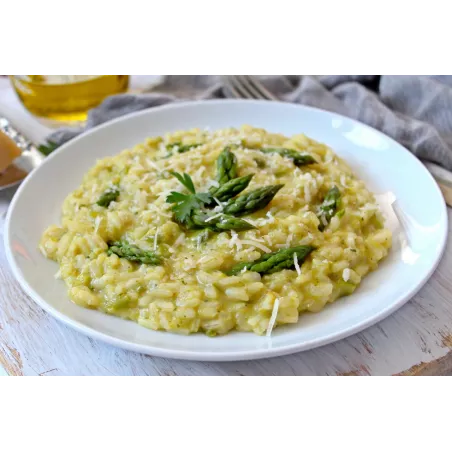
(416, 340)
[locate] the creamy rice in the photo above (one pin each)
(190, 291)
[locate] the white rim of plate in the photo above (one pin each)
(219, 356)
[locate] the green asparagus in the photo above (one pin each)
(226, 166)
(108, 197)
(231, 188)
(180, 148)
(274, 262)
(329, 207)
(133, 253)
(252, 201)
(200, 220)
(298, 158)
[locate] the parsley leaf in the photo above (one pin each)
(185, 205)
(185, 180)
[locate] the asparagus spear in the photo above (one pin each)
(107, 197)
(133, 253)
(231, 188)
(329, 206)
(252, 201)
(226, 166)
(298, 158)
(274, 262)
(181, 148)
(218, 224)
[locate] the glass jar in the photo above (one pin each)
(66, 98)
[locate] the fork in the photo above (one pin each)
(249, 87)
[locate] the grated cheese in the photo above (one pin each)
(97, 224)
(159, 211)
(180, 240)
(43, 250)
(156, 237)
(346, 274)
(257, 245)
(289, 240)
(212, 183)
(253, 223)
(272, 320)
(235, 241)
(204, 258)
(218, 202)
(57, 275)
(213, 217)
(307, 192)
(199, 172)
(297, 266)
(271, 218)
(258, 239)
(151, 163)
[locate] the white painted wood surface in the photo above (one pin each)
(415, 340)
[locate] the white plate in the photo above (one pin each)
(382, 163)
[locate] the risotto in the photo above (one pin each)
(199, 231)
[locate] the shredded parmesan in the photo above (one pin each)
(198, 242)
(346, 274)
(218, 202)
(151, 163)
(307, 192)
(213, 183)
(289, 240)
(268, 238)
(43, 250)
(257, 245)
(235, 241)
(156, 237)
(204, 258)
(253, 223)
(272, 320)
(180, 240)
(213, 217)
(271, 218)
(57, 275)
(159, 211)
(199, 172)
(297, 265)
(258, 239)
(97, 224)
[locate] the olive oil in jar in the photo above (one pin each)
(66, 98)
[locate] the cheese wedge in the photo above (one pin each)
(9, 151)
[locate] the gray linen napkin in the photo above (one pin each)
(415, 110)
